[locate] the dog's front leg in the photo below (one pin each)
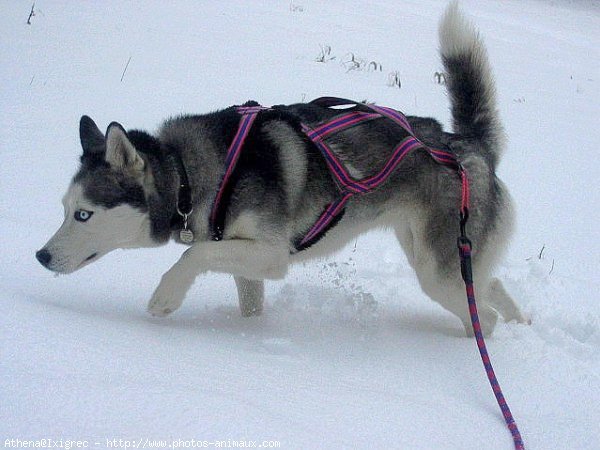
(249, 259)
(251, 294)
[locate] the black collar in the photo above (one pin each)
(184, 194)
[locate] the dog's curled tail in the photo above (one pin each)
(470, 83)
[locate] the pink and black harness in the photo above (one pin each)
(349, 187)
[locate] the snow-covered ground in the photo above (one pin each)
(349, 352)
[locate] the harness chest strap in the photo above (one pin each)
(217, 214)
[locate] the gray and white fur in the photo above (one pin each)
(125, 193)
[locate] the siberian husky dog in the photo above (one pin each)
(129, 184)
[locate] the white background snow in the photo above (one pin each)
(349, 352)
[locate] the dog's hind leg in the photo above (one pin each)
(251, 295)
(442, 282)
(449, 292)
(504, 303)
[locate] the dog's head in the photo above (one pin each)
(105, 205)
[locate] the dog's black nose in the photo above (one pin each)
(44, 257)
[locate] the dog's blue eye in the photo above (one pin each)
(82, 215)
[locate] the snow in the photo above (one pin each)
(349, 352)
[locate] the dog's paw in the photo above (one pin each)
(488, 318)
(162, 304)
(159, 311)
(251, 311)
(523, 318)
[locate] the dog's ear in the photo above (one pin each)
(120, 152)
(92, 139)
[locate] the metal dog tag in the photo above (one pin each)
(186, 236)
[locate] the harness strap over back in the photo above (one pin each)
(349, 186)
